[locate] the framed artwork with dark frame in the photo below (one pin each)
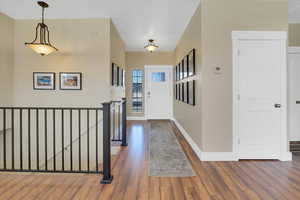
(186, 93)
(191, 92)
(192, 63)
(43, 80)
(182, 91)
(120, 74)
(70, 81)
(175, 88)
(175, 73)
(180, 71)
(124, 77)
(185, 67)
(179, 92)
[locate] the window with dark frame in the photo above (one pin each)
(137, 90)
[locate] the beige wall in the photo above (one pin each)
(84, 46)
(137, 60)
(117, 56)
(294, 35)
(219, 19)
(6, 59)
(190, 116)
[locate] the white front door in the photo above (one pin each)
(294, 94)
(259, 92)
(158, 92)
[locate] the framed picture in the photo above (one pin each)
(43, 80)
(191, 92)
(185, 67)
(70, 80)
(185, 92)
(182, 92)
(175, 73)
(179, 92)
(175, 91)
(113, 74)
(192, 63)
(180, 71)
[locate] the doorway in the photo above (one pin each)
(259, 101)
(158, 92)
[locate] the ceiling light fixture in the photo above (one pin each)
(151, 46)
(41, 44)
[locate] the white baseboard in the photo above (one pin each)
(218, 156)
(287, 157)
(136, 118)
(189, 139)
(205, 156)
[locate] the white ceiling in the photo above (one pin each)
(136, 20)
(294, 11)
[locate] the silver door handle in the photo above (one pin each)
(277, 105)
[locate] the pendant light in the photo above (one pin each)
(41, 44)
(151, 46)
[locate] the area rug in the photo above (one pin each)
(167, 158)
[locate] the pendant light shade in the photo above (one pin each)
(151, 46)
(41, 43)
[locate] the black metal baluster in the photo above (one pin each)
(21, 139)
(79, 137)
(29, 140)
(54, 150)
(62, 140)
(37, 140)
(4, 138)
(46, 139)
(71, 139)
(88, 140)
(124, 125)
(13, 138)
(97, 167)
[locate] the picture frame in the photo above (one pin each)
(113, 74)
(175, 73)
(70, 81)
(180, 71)
(118, 76)
(176, 92)
(185, 93)
(182, 92)
(185, 67)
(192, 63)
(179, 92)
(191, 92)
(44, 80)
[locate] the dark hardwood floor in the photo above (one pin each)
(215, 180)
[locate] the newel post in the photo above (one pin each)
(124, 124)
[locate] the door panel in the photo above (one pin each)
(159, 93)
(259, 88)
(294, 97)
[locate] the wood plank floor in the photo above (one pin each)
(215, 180)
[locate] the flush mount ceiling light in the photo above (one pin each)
(151, 46)
(41, 44)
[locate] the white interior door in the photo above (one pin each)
(259, 105)
(158, 92)
(294, 94)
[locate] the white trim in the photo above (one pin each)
(294, 50)
(261, 35)
(205, 156)
(142, 118)
(189, 139)
(146, 68)
(218, 156)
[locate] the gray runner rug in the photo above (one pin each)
(167, 159)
